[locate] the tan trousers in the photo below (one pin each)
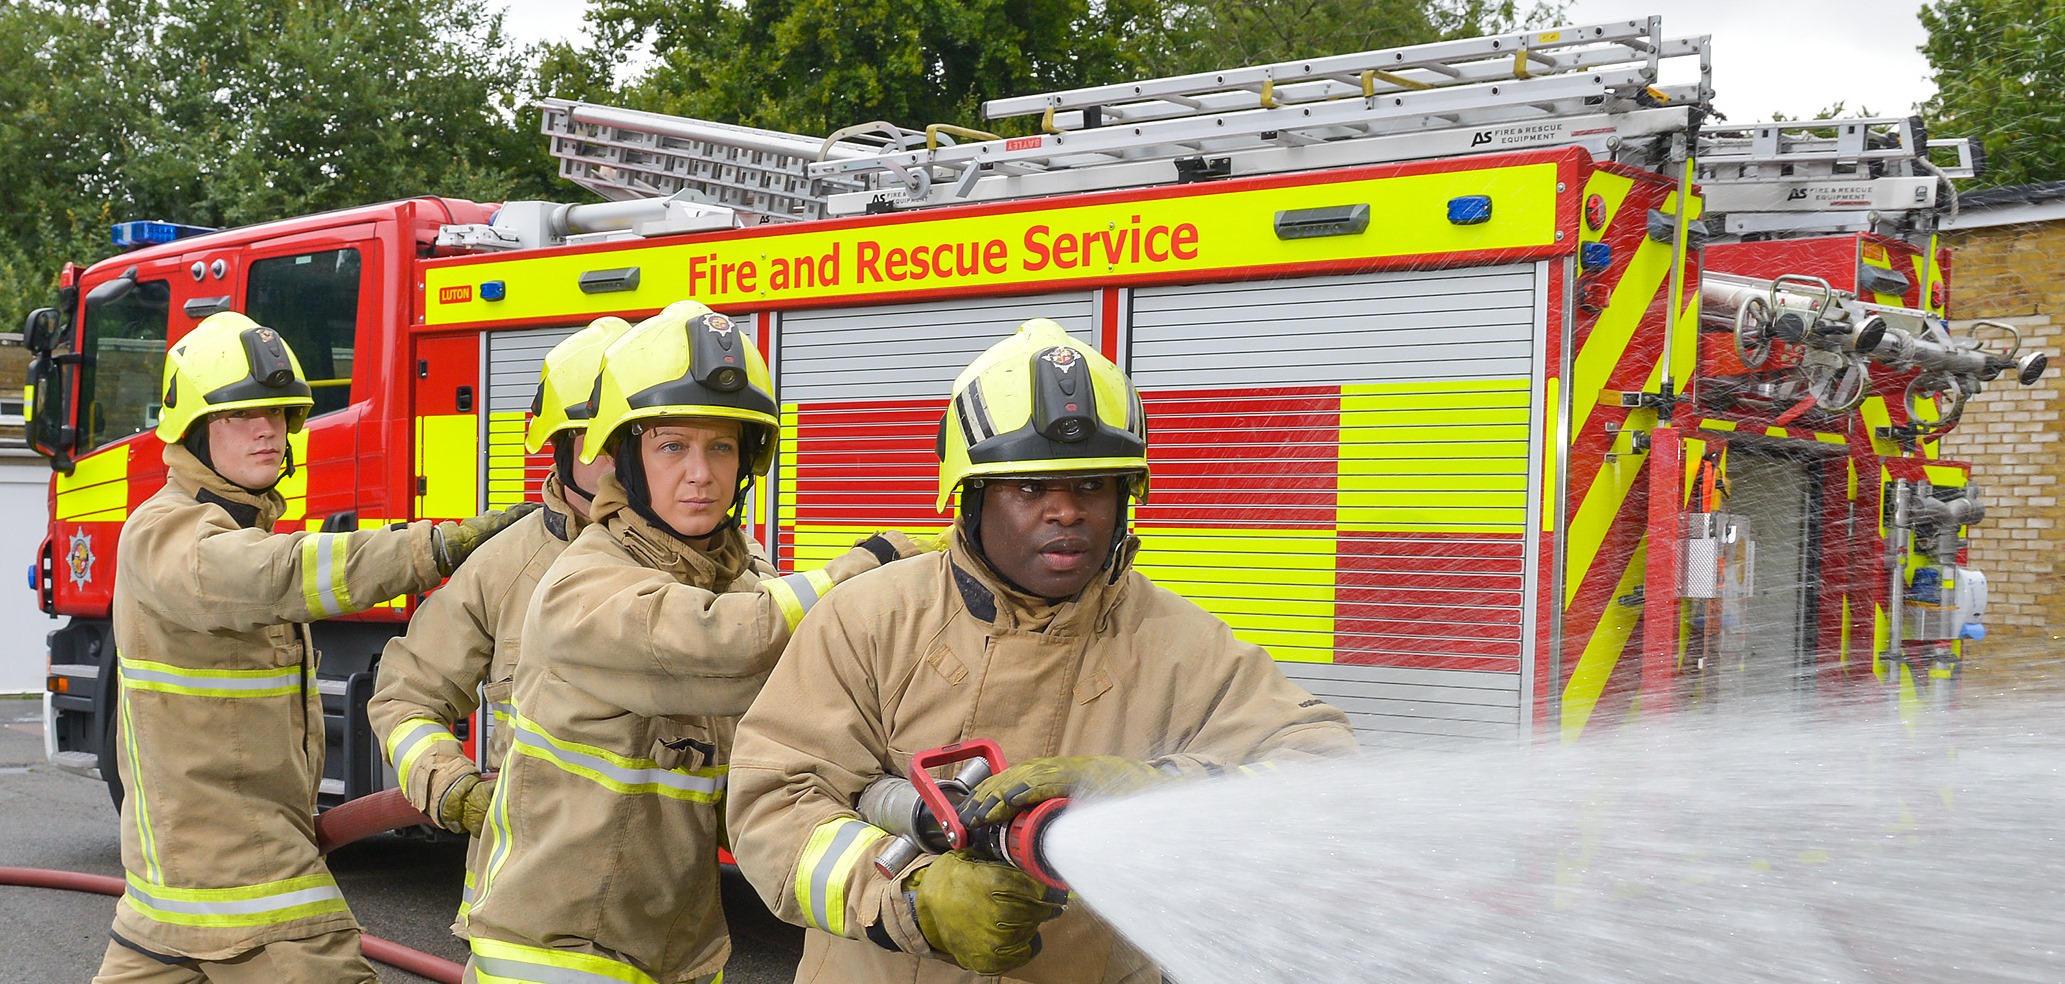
(332, 958)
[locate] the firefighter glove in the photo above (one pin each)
(453, 542)
(1020, 787)
(464, 808)
(983, 916)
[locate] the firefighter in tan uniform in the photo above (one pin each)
(1032, 631)
(465, 640)
(645, 640)
(220, 737)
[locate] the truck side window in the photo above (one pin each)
(125, 342)
(312, 300)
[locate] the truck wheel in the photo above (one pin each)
(111, 773)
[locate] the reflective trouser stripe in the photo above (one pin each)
(146, 838)
(269, 904)
(796, 593)
(498, 962)
(835, 848)
(617, 773)
(165, 678)
(323, 586)
(410, 740)
(467, 893)
(1256, 769)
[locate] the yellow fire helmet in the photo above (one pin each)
(1041, 402)
(566, 382)
(686, 361)
(229, 362)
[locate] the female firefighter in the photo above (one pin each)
(464, 642)
(220, 733)
(645, 641)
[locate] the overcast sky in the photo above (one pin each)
(1795, 57)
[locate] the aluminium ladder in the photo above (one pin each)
(1595, 86)
(1836, 175)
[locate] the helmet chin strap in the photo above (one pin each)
(563, 463)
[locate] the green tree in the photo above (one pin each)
(816, 65)
(225, 112)
(1997, 78)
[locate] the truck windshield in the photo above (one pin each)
(124, 340)
(312, 300)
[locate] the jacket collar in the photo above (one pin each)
(560, 519)
(712, 570)
(989, 598)
(250, 510)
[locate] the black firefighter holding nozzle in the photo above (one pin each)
(1033, 631)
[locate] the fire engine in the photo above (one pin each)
(1496, 387)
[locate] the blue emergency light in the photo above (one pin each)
(146, 232)
(1469, 209)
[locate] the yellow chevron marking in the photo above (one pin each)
(1602, 650)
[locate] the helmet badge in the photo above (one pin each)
(718, 323)
(1062, 358)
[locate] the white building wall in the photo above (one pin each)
(24, 515)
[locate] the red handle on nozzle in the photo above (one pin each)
(934, 797)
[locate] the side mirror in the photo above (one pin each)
(50, 433)
(113, 290)
(40, 331)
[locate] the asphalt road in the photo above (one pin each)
(402, 889)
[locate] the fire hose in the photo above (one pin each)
(923, 814)
(353, 821)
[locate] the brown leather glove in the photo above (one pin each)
(984, 916)
(464, 808)
(454, 542)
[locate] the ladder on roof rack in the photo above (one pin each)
(1836, 175)
(1575, 85)
(626, 154)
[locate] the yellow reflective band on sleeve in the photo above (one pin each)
(622, 774)
(834, 849)
(270, 904)
(322, 574)
(497, 962)
(1256, 769)
(410, 740)
(796, 593)
(139, 674)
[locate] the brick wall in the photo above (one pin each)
(2011, 435)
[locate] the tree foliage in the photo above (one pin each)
(1997, 78)
(225, 112)
(816, 65)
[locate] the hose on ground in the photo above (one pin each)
(386, 951)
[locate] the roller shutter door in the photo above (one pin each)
(1342, 471)
(862, 390)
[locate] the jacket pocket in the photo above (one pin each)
(496, 707)
(283, 645)
(689, 745)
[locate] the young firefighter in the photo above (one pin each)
(221, 729)
(470, 633)
(644, 642)
(1031, 631)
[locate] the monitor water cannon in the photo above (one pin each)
(924, 814)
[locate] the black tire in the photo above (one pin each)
(111, 773)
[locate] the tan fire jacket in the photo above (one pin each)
(221, 729)
(602, 838)
(463, 642)
(935, 650)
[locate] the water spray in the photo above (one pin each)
(924, 814)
